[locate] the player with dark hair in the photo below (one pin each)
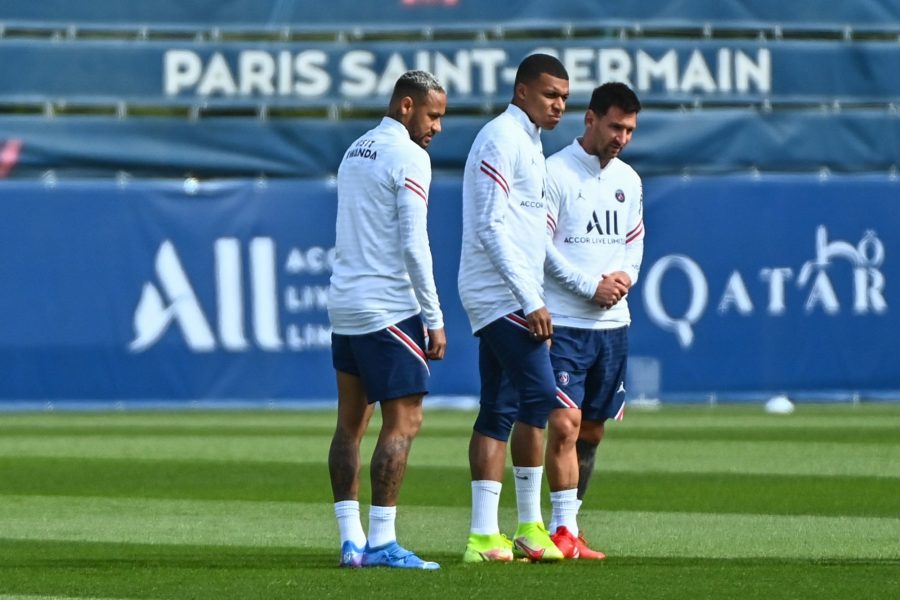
(533, 67)
(595, 222)
(382, 292)
(501, 287)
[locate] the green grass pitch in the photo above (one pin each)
(689, 502)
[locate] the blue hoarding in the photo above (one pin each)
(191, 291)
(773, 284)
(362, 73)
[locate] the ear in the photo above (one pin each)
(521, 91)
(406, 105)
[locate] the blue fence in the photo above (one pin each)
(719, 141)
(311, 14)
(215, 291)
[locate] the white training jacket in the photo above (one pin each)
(382, 269)
(504, 219)
(596, 225)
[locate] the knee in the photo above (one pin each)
(536, 410)
(402, 418)
(414, 422)
(348, 433)
(495, 424)
(352, 422)
(591, 432)
(564, 427)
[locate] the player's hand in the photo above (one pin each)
(539, 325)
(620, 276)
(437, 344)
(611, 288)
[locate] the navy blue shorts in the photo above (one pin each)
(516, 378)
(391, 362)
(590, 365)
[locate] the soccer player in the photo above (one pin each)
(595, 221)
(501, 287)
(382, 293)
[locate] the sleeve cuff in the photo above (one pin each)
(435, 322)
(587, 288)
(529, 306)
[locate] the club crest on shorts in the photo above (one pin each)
(620, 195)
(563, 378)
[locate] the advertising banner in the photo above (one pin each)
(475, 73)
(184, 292)
(780, 284)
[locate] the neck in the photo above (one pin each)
(517, 103)
(589, 150)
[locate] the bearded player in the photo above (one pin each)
(381, 300)
(595, 222)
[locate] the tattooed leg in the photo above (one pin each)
(586, 447)
(402, 420)
(353, 417)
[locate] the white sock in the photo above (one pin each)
(565, 510)
(347, 513)
(381, 525)
(553, 524)
(485, 504)
(528, 493)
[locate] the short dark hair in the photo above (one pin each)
(535, 65)
(417, 85)
(616, 94)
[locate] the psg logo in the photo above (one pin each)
(563, 378)
(620, 195)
